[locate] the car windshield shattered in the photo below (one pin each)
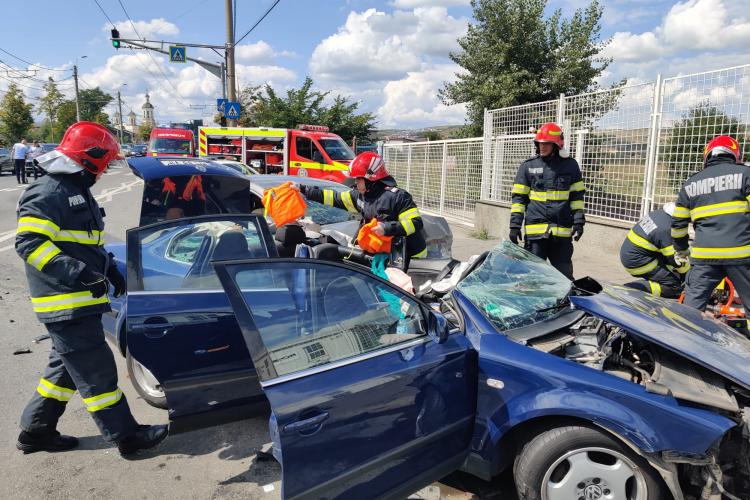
(514, 288)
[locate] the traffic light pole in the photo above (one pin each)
(75, 82)
(229, 51)
(119, 105)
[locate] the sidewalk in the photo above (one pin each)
(587, 259)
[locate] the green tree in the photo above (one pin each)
(689, 135)
(144, 132)
(15, 115)
(512, 54)
(66, 116)
(92, 103)
(432, 135)
(262, 106)
(49, 104)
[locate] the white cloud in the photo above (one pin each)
(413, 101)
(154, 28)
(258, 52)
(626, 46)
(377, 46)
(412, 4)
(704, 24)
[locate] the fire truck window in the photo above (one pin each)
(304, 147)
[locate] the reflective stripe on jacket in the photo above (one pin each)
(60, 232)
(716, 201)
(548, 194)
(649, 245)
(386, 202)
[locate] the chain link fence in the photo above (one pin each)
(636, 145)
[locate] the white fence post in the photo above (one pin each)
(408, 168)
(652, 147)
(487, 162)
(443, 177)
(561, 110)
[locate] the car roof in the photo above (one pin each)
(158, 167)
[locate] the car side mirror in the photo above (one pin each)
(438, 327)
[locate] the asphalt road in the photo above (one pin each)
(219, 462)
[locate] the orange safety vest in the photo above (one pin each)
(371, 242)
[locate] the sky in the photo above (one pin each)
(391, 56)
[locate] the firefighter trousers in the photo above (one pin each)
(661, 282)
(79, 360)
(702, 279)
(558, 249)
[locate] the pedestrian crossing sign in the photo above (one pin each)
(232, 110)
(177, 53)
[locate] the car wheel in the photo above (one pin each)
(146, 385)
(582, 463)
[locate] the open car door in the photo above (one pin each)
(365, 402)
(180, 328)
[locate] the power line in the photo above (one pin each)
(31, 64)
(105, 14)
(258, 21)
(21, 74)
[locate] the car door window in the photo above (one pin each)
(304, 147)
(179, 256)
(333, 313)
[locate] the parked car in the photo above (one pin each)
(6, 163)
(238, 166)
(44, 148)
(138, 149)
(126, 149)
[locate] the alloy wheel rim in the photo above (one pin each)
(146, 380)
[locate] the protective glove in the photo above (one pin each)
(515, 235)
(577, 231)
(681, 257)
(94, 282)
(117, 279)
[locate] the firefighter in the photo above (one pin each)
(548, 194)
(60, 238)
(377, 196)
(648, 253)
(715, 200)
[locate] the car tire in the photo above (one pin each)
(146, 385)
(577, 462)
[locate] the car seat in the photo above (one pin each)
(232, 245)
(287, 238)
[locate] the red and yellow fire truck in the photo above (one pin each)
(307, 151)
(166, 141)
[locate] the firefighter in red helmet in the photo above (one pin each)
(548, 196)
(377, 197)
(715, 200)
(60, 237)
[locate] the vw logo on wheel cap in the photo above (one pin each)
(592, 492)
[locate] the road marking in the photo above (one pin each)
(7, 235)
(124, 187)
(7, 248)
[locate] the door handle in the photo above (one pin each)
(297, 164)
(308, 424)
(153, 330)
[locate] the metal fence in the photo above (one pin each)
(635, 145)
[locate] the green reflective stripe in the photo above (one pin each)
(576, 205)
(101, 401)
(536, 228)
(408, 226)
(679, 233)
(641, 242)
(409, 214)
(346, 197)
(37, 225)
(730, 207)
(420, 255)
(82, 237)
(549, 195)
(49, 390)
(521, 189)
(565, 232)
(578, 186)
(43, 254)
(684, 268)
(637, 271)
(655, 288)
(518, 208)
(720, 253)
(554, 132)
(667, 251)
(681, 213)
(328, 197)
(66, 301)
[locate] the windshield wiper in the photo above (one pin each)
(561, 304)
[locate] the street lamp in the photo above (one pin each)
(75, 81)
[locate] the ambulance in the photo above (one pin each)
(171, 142)
(307, 151)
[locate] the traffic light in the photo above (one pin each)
(115, 38)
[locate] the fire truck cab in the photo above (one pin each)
(307, 151)
(171, 142)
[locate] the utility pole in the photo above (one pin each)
(232, 90)
(119, 105)
(75, 81)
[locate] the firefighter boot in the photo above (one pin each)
(51, 441)
(147, 436)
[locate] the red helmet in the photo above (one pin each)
(91, 146)
(368, 165)
(722, 144)
(550, 132)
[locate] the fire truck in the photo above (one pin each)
(171, 142)
(307, 151)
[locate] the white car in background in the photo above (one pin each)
(238, 166)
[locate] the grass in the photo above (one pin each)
(480, 235)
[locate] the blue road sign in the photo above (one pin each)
(177, 54)
(232, 110)
(220, 104)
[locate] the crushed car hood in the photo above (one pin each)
(680, 329)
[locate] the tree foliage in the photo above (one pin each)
(49, 104)
(91, 102)
(144, 132)
(263, 106)
(15, 115)
(512, 54)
